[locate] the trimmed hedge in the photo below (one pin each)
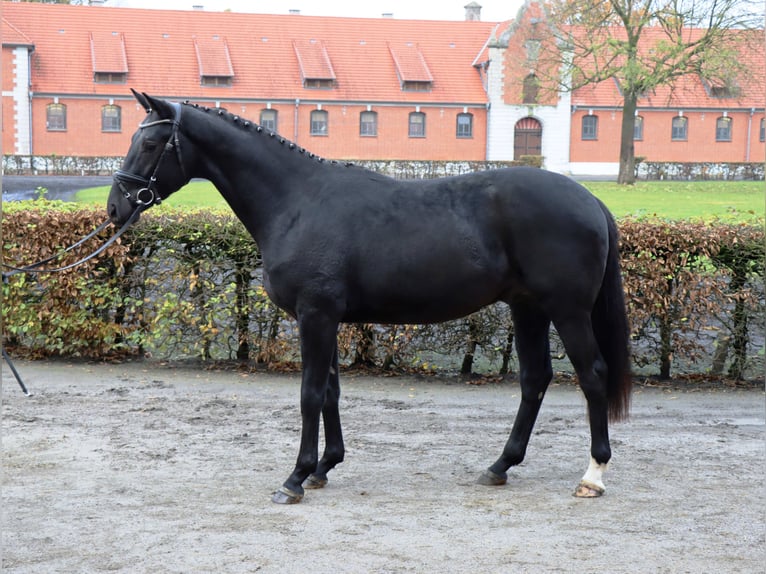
(188, 284)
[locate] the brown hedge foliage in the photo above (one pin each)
(188, 284)
(66, 313)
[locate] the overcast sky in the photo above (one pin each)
(492, 10)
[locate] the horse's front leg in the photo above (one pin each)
(334, 450)
(318, 342)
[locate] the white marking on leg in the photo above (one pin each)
(592, 476)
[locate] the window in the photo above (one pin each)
(319, 123)
(762, 136)
(416, 86)
(417, 126)
(679, 129)
(110, 77)
(216, 81)
(465, 125)
(368, 124)
(723, 129)
(530, 89)
(268, 120)
(55, 117)
(590, 127)
(638, 128)
(318, 84)
(111, 119)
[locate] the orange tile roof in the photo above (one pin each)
(161, 56)
(410, 64)
(213, 56)
(688, 91)
(107, 51)
(313, 59)
(13, 37)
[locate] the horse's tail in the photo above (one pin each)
(610, 325)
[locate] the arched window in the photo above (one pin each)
(111, 118)
(465, 125)
(723, 129)
(268, 120)
(55, 117)
(417, 125)
(368, 124)
(638, 128)
(530, 89)
(679, 129)
(589, 127)
(319, 123)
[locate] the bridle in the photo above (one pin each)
(146, 196)
(142, 199)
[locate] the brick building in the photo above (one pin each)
(345, 88)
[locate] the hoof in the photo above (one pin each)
(588, 490)
(489, 478)
(314, 482)
(286, 496)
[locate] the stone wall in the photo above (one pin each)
(400, 169)
(653, 171)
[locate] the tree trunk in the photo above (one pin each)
(473, 343)
(737, 367)
(364, 355)
(242, 311)
(627, 174)
(507, 352)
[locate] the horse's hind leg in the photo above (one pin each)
(535, 373)
(334, 449)
(580, 343)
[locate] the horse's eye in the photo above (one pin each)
(149, 145)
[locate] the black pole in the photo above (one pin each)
(15, 372)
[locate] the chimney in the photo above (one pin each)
(472, 12)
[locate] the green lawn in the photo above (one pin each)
(731, 201)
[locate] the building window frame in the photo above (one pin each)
(216, 81)
(723, 129)
(368, 124)
(530, 90)
(416, 125)
(110, 77)
(638, 128)
(319, 123)
(679, 129)
(589, 127)
(762, 131)
(464, 126)
(55, 117)
(111, 118)
(268, 119)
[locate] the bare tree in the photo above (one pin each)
(646, 44)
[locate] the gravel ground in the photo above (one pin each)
(141, 467)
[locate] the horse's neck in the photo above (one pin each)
(258, 176)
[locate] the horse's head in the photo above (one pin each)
(153, 167)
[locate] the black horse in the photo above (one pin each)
(344, 244)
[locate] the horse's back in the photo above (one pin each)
(431, 250)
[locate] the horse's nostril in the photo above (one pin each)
(112, 211)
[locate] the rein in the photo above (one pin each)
(142, 200)
(35, 267)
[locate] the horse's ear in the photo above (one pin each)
(142, 100)
(163, 108)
